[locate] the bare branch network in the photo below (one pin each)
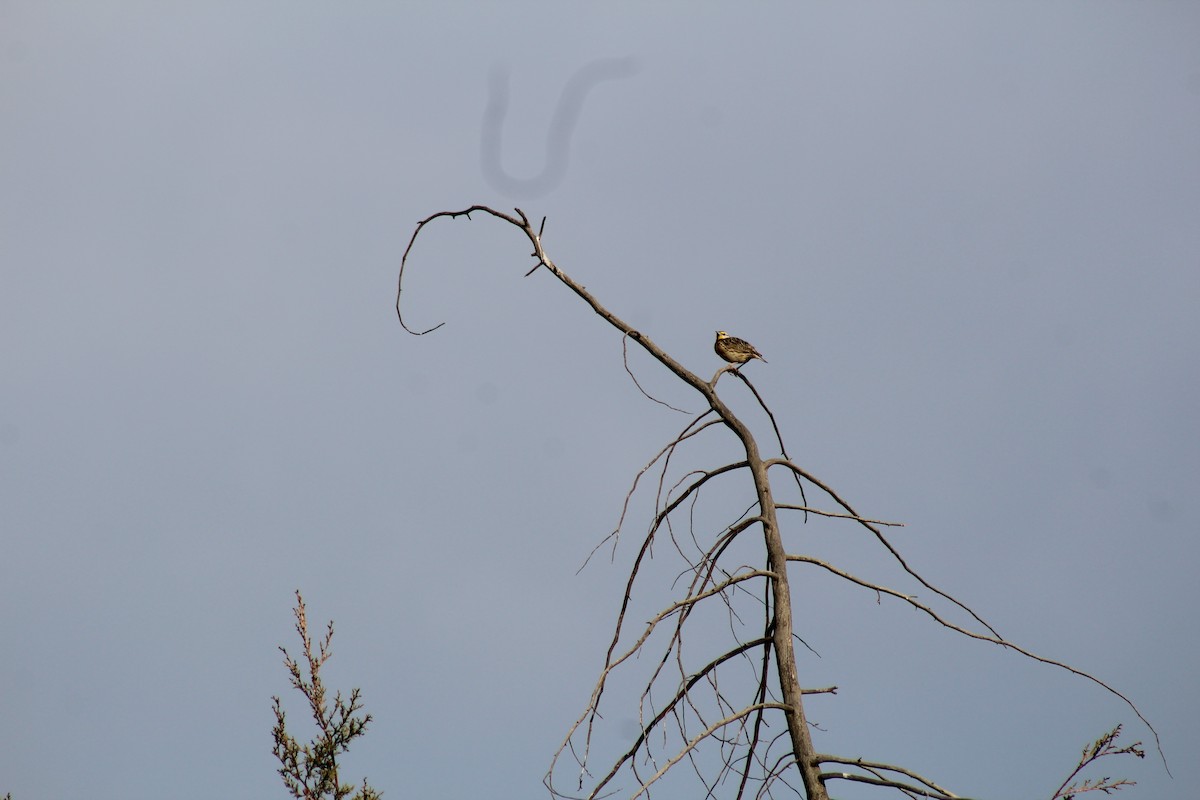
(742, 706)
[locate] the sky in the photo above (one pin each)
(963, 234)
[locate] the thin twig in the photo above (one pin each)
(837, 515)
(625, 360)
(983, 637)
(881, 538)
(904, 787)
(822, 758)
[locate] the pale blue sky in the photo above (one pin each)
(965, 235)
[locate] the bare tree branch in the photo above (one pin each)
(680, 696)
(692, 744)
(762, 667)
(904, 787)
(632, 377)
(686, 434)
(836, 515)
(997, 640)
(875, 765)
(778, 436)
(882, 539)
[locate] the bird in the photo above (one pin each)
(735, 350)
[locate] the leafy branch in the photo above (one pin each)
(1101, 748)
(310, 771)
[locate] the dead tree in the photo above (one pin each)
(731, 699)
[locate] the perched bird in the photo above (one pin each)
(734, 350)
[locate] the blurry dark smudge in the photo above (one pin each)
(558, 137)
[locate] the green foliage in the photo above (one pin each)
(310, 771)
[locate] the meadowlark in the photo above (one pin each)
(734, 350)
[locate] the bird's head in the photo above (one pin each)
(721, 334)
